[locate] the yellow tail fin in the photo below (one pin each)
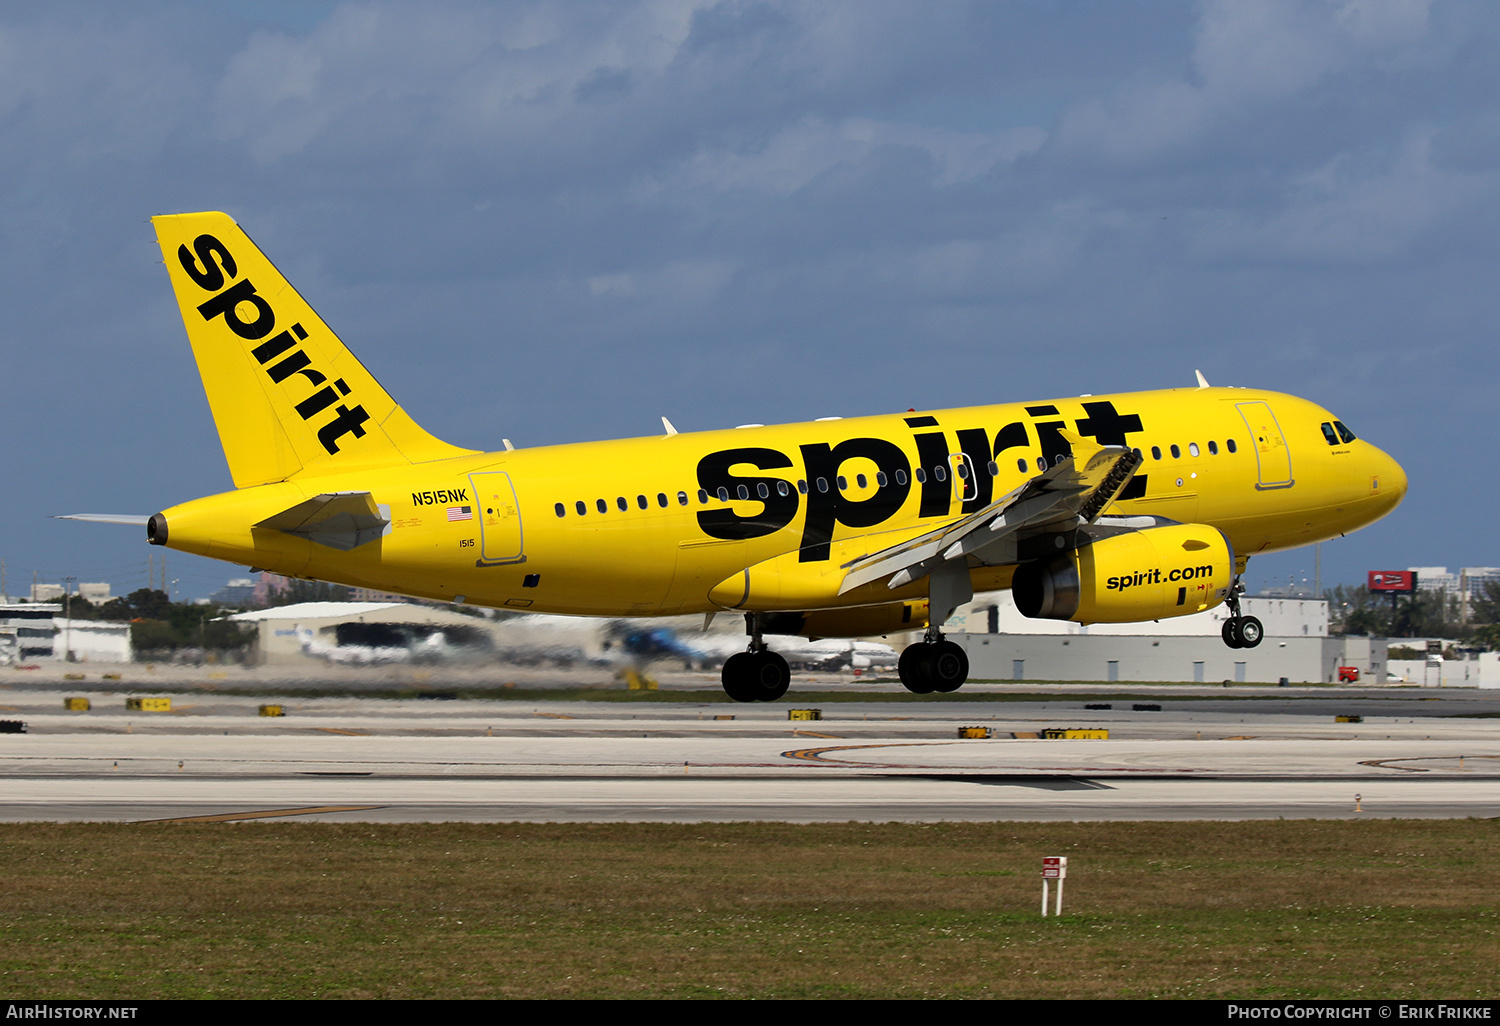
(287, 396)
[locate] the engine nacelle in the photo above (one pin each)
(1131, 576)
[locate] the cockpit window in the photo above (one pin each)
(1344, 433)
(1330, 434)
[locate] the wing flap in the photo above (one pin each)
(1074, 492)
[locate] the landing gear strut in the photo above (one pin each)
(1240, 631)
(756, 675)
(933, 664)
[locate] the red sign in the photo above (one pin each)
(1055, 867)
(1402, 581)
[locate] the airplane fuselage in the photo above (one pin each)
(652, 526)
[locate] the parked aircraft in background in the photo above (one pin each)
(1097, 509)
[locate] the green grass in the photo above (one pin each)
(1378, 908)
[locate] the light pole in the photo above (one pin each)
(68, 618)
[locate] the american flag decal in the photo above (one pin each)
(460, 513)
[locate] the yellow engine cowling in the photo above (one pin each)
(1131, 576)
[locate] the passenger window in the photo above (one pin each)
(743, 492)
(880, 479)
(1021, 464)
(801, 486)
(901, 477)
(822, 484)
(1192, 448)
(723, 494)
(861, 480)
(682, 498)
(620, 501)
(661, 499)
(921, 476)
(1230, 445)
(763, 490)
(782, 488)
(1156, 452)
(560, 509)
(1213, 448)
(963, 471)
(1344, 433)
(843, 483)
(640, 500)
(1041, 464)
(582, 509)
(1329, 433)
(994, 469)
(702, 497)
(940, 472)
(1176, 453)
(601, 504)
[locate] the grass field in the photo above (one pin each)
(1378, 908)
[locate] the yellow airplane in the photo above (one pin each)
(1096, 509)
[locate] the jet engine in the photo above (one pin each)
(1129, 576)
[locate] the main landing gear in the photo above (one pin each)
(1240, 631)
(933, 664)
(758, 675)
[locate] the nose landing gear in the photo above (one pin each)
(1240, 631)
(933, 664)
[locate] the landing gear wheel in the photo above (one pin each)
(1231, 632)
(738, 682)
(1250, 632)
(912, 668)
(947, 666)
(756, 676)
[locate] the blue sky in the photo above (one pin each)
(558, 221)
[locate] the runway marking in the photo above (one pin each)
(1390, 763)
(227, 817)
(818, 755)
(813, 733)
(350, 733)
(555, 716)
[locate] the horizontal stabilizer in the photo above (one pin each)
(131, 519)
(339, 520)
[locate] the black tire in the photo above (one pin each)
(772, 675)
(1250, 632)
(738, 678)
(947, 666)
(1231, 633)
(912, 668)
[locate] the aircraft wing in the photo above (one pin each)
(1072, 493)
(339, 520)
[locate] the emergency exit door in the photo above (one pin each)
(1273, 459)
(499, 518)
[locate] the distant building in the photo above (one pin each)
(239, 592)
(26, 631)
(97, 593)
(46, 592)
(1002, 644)
(1463, 586)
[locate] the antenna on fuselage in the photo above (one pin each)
(668, 425)
(1202, 381)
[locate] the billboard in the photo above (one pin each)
(1399, 581)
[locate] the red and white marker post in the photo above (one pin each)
(1053, 868)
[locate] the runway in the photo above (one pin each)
(1202, 756)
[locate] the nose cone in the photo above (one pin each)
(1387, 481)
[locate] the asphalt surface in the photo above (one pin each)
(1206, 753)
